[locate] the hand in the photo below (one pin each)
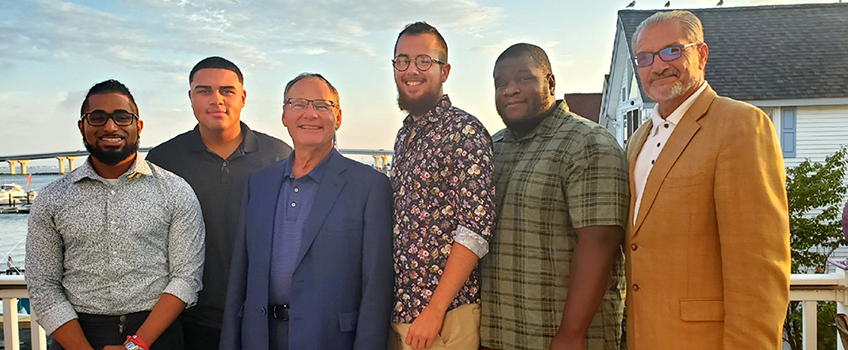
(562, 342)
(114, 347)
(423, 331)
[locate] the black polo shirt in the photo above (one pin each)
(219, 184)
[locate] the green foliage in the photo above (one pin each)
(812, 186)
(816, 192)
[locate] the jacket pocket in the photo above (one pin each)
(347, 321)
(700, 310)
(683, 181)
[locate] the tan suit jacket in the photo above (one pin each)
(708, 256)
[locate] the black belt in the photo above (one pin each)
(280, 312)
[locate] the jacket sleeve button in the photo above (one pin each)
(263, 310)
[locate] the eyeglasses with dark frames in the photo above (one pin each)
(320, 105)
(668, 54)
(99, 118)
(422, 62)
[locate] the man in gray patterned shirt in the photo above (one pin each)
(115, 249)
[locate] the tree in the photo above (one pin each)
(816, 191)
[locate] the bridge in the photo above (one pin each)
(381, 158)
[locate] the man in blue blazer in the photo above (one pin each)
(312, 267)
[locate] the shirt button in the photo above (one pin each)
(294, 204)
(634, 247)
(653, 161)
(296, 189)
(112, 192)
(665, 125)
(636, 287)
(115, 253)
(112, 222)
(658, 144)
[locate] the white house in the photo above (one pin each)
(789, 60)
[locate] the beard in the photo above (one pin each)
(536, 112)
(422, 105)
(112, 155)
(680, 88)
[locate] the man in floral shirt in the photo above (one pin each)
(444, 202)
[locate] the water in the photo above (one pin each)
(13, 227)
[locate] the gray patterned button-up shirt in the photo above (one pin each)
(105, 249)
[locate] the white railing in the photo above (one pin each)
(13, 288)
(808, 289)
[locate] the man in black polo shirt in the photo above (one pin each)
(215, 159)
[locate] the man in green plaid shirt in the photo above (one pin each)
(554, 276)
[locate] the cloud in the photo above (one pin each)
(154, 34)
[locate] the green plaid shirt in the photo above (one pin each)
(568, 173)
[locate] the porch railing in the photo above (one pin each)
(808, 289)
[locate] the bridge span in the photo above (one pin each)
(381, 158)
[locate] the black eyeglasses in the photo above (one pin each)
(299, 104)
(99, 118)
(668, 54)
(423, 62)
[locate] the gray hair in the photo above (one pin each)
(693, 30)
(320, 77)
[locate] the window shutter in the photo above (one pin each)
(788, 131)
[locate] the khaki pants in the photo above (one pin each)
(460, 331)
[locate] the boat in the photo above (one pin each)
(12, 195)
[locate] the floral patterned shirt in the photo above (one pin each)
(443, 193)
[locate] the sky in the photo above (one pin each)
(52, 52)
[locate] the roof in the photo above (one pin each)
(586, 105)
(771, 52)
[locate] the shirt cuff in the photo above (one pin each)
(183, 291)
(471, 240)
(56, 316)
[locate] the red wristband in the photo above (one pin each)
(137, 341)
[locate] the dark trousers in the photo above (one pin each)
(199, 337)
(278, 333)
(102, 330)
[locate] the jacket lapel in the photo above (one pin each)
(674, 147)
(262, 212)
(328, 191)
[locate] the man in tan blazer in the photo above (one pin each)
(708, 244)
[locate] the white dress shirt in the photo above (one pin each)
(654, 144)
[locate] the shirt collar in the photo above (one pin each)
(137, 169)
(678, 113)
(547, 126)
(433, 116)
(248, 144)
(316, 173)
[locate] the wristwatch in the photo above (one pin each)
(135, 343)
(132, 346)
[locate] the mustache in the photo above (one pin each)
(664, 74)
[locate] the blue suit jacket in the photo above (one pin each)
(343, 277)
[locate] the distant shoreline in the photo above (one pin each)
(10, 175)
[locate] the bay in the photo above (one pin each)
(13, 227)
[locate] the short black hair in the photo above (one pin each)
(216, 63)
(524, 49)
(302, 76)
(107, 87)
(424, 28)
